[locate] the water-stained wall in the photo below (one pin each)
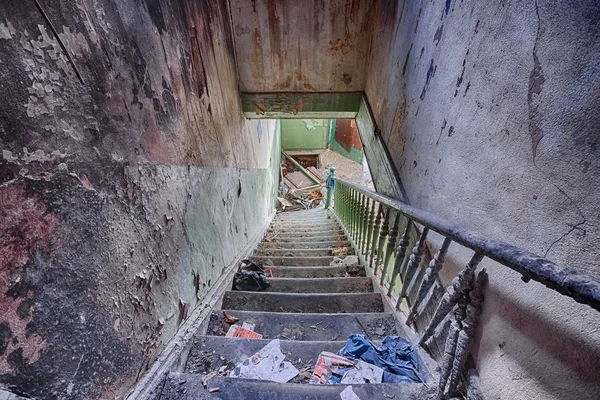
(305, 46)
(129, 179)
(490, 113)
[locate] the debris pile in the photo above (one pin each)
(303, 188)
(266, 364)
(251, 277)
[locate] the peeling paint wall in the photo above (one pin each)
(490, 114)
(129, 179)
(306, 46)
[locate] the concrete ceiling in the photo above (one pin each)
(302, 46)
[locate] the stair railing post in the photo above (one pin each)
(375, 236)
(391, 244)
(361, 219)
(415, 261)
(400, 255)
(367, 249)
(382, 236)
(431, 274)
(329, 184)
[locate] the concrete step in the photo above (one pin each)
(294, 261)
(320, 285)
(304, 217)
(304, 239)
(292, 326)
(304, 224)
(210, 353)
(319, 231)
(302, 244)
(185, 386)
(261, 252)
(303, 302)
(315, 272)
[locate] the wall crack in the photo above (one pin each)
(536, 81)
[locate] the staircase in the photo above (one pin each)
(310, 306)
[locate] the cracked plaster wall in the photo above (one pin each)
(490, 113)
(129, 180)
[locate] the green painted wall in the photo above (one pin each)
(354, 154)
(304, 134)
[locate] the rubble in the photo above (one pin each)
(266, 364)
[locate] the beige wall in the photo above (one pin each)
(315, 46)
(461, 95)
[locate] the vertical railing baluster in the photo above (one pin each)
(365, 226)
(367, 249)
(376, 235)
(382, 236)
(359, 200)
(356, 216)
(400, 254)
(467, 333)
(431, 275)
(347, 208)
(450, 347)
(459, 287)
(350, 209)
(391, 244)
(415, 260)
(363, 222)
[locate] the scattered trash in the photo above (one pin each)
(363, 372)
(236, 331)
(266, 364)
(229, 319)
(346, 261)
(248, 265)
(340, 251)
(250, 281)
(351, 263)
(330, 368)
(208, 377)
(348, 394)
(248, 325)
(395, 356)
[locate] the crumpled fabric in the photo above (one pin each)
(395, 356)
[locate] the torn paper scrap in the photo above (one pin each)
(267, 364)
(330, 368)
(236, 331)
(363, 373)
(348, 394)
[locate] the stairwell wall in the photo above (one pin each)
(129, 179)
(489, 112)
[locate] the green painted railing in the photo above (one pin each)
(374, 222)
(382, 229)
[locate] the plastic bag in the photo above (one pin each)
(250, 281)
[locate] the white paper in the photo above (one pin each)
(267, 364)
(348, 394)
(249, 326)
(363, 373)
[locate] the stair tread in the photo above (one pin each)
(186, 386)
(289, 261)
(303, 302)
(309, 326)
(320, 285)
(322, 271)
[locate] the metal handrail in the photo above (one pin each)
(581, 287)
